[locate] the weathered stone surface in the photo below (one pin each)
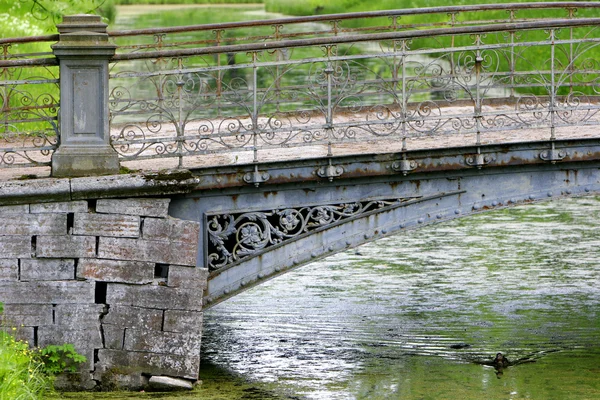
(140, 207)
(47, 292)
(48, 269)
(62, 207)
(28, 314)
(113, 225)
(79, 315)
(69, 161)
(9, 270)
(34, 224)
(167, 383)
(183, 321)
(134, 317)
(74, 382)
(171, 230)
(15, 247)
(66, 246)
(113, 336)
(23, 333)
(187, 277)
(138, 272)
(18, 209)
(153, 297)
(183, 344)
(153, 364)
(149, 184)
(34, 190)
(148, 250)
(84, 340)
(120, 378)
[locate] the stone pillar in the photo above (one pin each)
(83, 52)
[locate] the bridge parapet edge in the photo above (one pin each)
(115, 277)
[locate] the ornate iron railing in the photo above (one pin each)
(383, 81)
(261, 90)
(29, 97)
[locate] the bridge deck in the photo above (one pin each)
(360, 144)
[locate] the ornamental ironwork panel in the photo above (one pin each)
(237, 236)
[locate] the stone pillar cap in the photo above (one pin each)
(82, 22)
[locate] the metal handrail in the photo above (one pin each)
(400, 35)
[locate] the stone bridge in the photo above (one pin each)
(123, 264)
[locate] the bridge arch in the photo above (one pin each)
(250, 235)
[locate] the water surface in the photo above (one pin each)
(408, 316)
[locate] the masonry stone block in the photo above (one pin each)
(47, 269)
(47, 292)
(182, 344)
(66, 246)
(134, 317)
(120, 378)
(166, 383)
(85, 341)
(113, 336)
(79, 315)
(12, 247)
(23, 333)
(137, 272)
(34, 224)
(173, 230)
(183, 321)
(153, 296)
(113, 225)
(148, 250)
(9, 269)
(140, 207)
(187, 277)
(74, 382)
(27, 314)
(18, 209)
(62, 207)
(152, 363)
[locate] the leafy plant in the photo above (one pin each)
(21, 371)
(57, 359)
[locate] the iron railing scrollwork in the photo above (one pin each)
(29, 100)
(328, 85)
(237, 236)
(395, 87)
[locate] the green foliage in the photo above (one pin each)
(132, 2)
(27, 373)
(58, 359)
(39, 17)
(21, 372)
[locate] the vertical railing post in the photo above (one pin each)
(83, 52)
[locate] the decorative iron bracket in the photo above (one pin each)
(256, 177)
(553, 155)
(330, 172)
(479, 160)
(404, 166)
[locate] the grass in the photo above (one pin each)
(22, 374)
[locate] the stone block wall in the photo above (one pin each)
(117, 278)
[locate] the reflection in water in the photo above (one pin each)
(416, 315)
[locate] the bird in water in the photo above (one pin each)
(500, 362)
